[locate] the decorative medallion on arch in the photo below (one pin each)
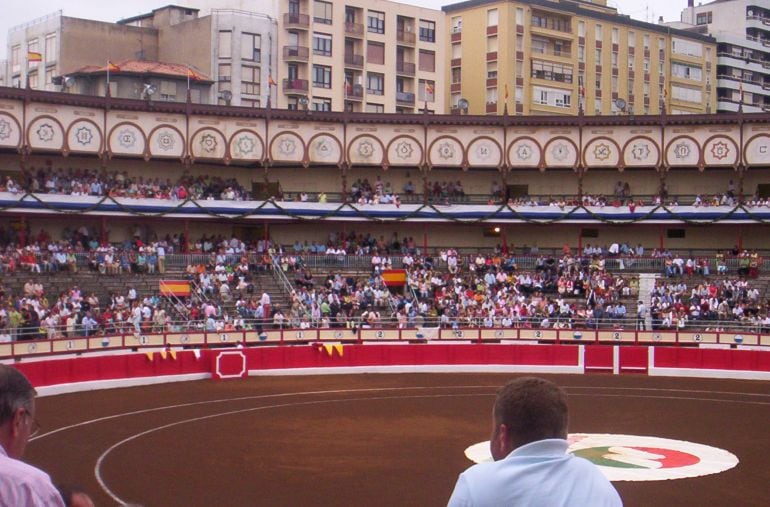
(446, 151)
(45, 133)
(166, 141)
(641, 152)
(485, 152)
(10, 132)
(683, 151)
(720, 151)
(524, 152)
(126, 139)
(366, 150)
(287, 147)
(561, 152)
(208, 143)
(602, 152)
(757, 150)
(246, 145)
(84, 136)
(324, 149)
(404, 150)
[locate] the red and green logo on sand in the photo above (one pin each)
(638, 458)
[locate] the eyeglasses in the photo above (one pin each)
(34, 426)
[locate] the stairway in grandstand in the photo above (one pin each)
(646, 285)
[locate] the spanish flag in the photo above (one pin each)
(394, 277)
(179, 288)
(112, 67)
(270, 80)
(33, 56)
(192, 74)
(428, 88)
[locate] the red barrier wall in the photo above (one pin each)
(52, 372)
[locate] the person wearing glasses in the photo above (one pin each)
(20, 483)
(531, 464)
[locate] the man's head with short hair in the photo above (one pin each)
(17, 410)
(527, 409)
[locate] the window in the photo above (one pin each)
(492, 17)
(224, 72)
(581, 53)
(631, 39)
(250, 80)
(16, 59)
(615, 35)
(598, 32)
(322, 104)
(581, 28)
(375, 83)
(598, 56)
(427, 31)
(686, 71)
(322, 12)
(551, 71)
(491, 95)
(33, 45)
(492, 70)
(519, 16)
(250, 47)
(457, 24)
(322, 44)
(630, 62)
(427, 60)
(703, 18)
(322, 76)
(614, 84)
(646, 40)
(492, 44)
(50, 47)
(374, 108)
(225, 44)
(551, 97)
(457, 51)
(685, 47)
(457, 75)
(168, 90)
(376, 22)
(614, 58)
(250, 102)
(426, 91)
(49, 73)
(34, 81)
(375, 52)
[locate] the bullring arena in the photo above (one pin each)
(231, 306)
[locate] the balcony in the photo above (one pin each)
(405, 98)
(404, 37)
(295, 86)
(355, 92)
(354, 29)
(295, 53)
(296, 21)
(352, 60)
(405, 68)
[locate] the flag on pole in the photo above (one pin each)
(270, 80)
(428, 88)
(34, 56)
(740, 91)
(348, 88)
(111, 67)
(506, 91)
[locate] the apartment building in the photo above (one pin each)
(548, 57)
(360, 55)
(231, 47)
(742, 31)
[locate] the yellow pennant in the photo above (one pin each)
(172, 353)
(338, 348)
(328, 348)
(149, 356)
(163, 354)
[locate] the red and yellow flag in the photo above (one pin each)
(179, 288)
(270, 80)
(429, 88)
(34, 56)
(112, 67)
(192, 74)
(394, 277)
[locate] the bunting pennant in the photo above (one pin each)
(197, 353)
(163, 354)
(149, 356)
(338, 348)
(328, 348)
(172, 353)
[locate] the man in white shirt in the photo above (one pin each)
(20, 483)
(531, 464)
